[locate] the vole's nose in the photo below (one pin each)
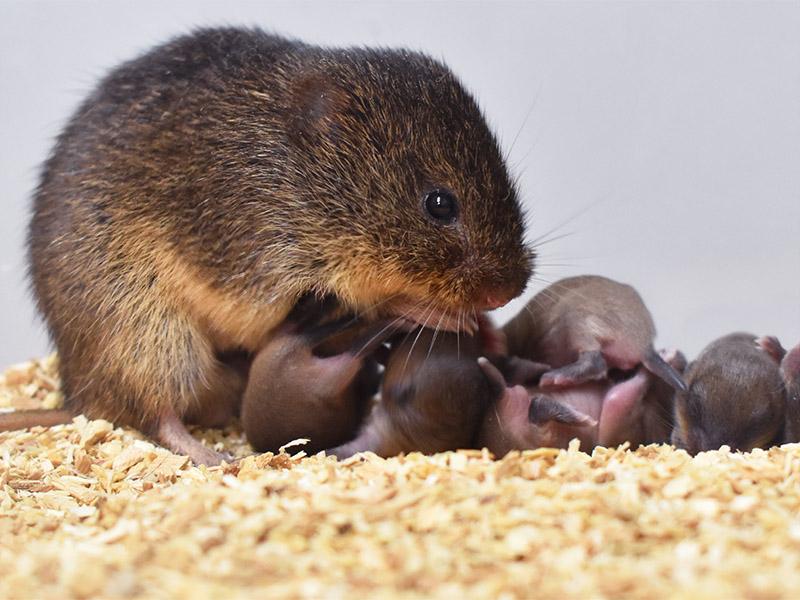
(495, 300)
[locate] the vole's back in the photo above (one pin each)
(140, 213)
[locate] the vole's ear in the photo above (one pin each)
(316, 105)
(773, 348)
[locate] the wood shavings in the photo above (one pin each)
(92, 511)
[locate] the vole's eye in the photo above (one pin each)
(441, 205)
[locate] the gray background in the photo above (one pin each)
(663, 141)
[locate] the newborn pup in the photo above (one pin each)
(604, 413)
(584, 326)
(433, 397)
(735, 396)
(205, 186)
(790, 369)
(313, 381)
(522, 418)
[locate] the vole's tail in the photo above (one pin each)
(23, 419)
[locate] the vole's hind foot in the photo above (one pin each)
(771, 345)
(590, 366)
(173, 435)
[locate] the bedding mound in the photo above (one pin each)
(90, 510)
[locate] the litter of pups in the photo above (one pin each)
(580, 363)
(87, 510)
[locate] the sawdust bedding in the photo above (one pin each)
(89, 510)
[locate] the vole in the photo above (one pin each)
(585, 326)
(294, 391)
(204, 187)
(433, 397)
(601, 412)
(790, 370)
(735, 396)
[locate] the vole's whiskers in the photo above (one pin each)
(533, 104)
(497, 416)
(405, 315)
(524, 160)
(384, 301)
(367, 344)
(549, 238)
(459, 317)
(436, 333)
(416, 339)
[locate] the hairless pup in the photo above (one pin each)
(433, 397)
(313, 379)
(583, 326)
(606, 413)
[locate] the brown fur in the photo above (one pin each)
(790, 370)
(207, 185)
(312, 381)
(736, 397)
(581, 316)
(578, 314)
(433, 397)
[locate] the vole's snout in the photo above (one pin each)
(500, 289)
(494, 299)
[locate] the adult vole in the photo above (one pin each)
(204, 187)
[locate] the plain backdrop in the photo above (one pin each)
(661, 145)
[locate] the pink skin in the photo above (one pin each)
(622, 411)
(597, 413)
(584, 327)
